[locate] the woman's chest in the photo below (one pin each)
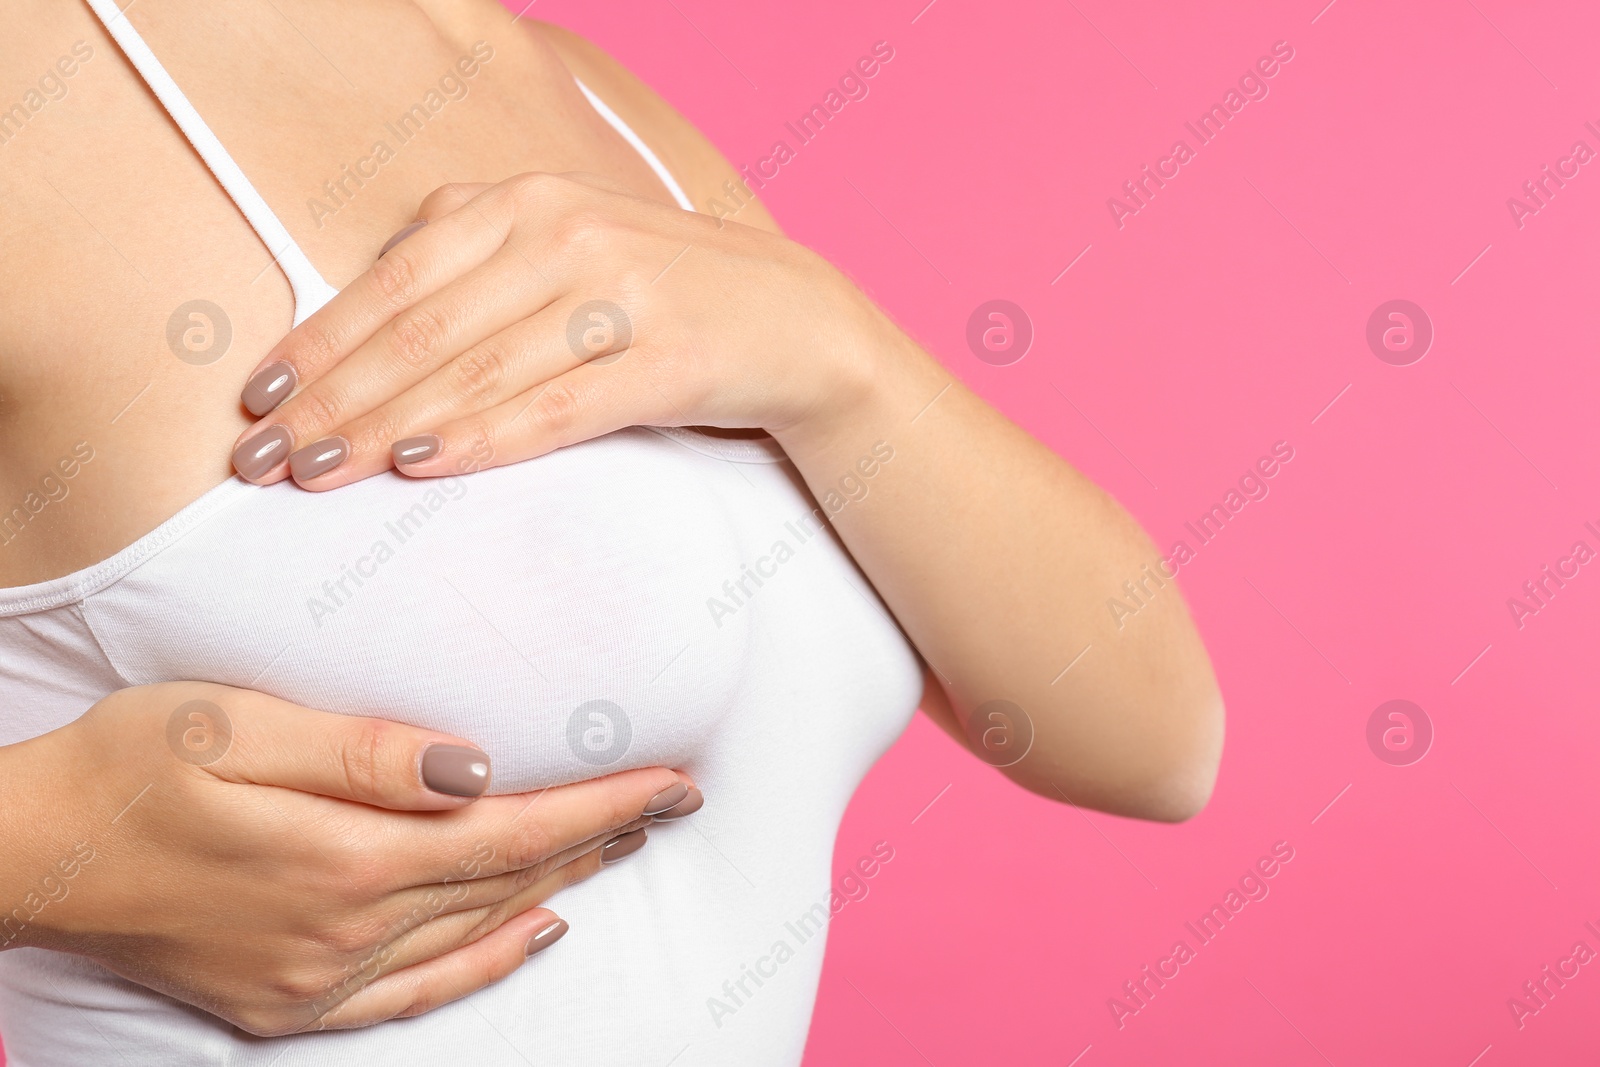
(123, 249)
(622, 603)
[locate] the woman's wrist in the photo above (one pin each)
(875, 380)
(44, 853)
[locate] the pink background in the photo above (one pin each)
(1225, 316)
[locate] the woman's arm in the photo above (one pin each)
(996, 557)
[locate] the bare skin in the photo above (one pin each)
(112, 222)
(999, 591)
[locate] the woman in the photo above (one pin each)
(758, 528)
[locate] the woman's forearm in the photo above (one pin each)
(998, 560)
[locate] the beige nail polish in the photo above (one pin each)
(687, 806)
(405, 232)
(415, 449)
(623, 846)
(268, 387)
(318, 458)
(667, 799)
(547, 937)
(256, 457)
(455, 770)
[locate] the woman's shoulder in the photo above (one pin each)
(687, 153)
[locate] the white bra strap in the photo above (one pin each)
(639, 146)
(311, 290)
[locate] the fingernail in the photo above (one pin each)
(268, 387)
(548, 936)
(626, 845)
(455, 770)
(402, 235)
(261, 453)
(319, 458)
(688, 806)
(667, 798)
(416, 449)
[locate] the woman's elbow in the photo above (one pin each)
(1164, 772)
(1180, 784)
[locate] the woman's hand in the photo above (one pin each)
(289, 869)
(544, 311)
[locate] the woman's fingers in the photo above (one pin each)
(691, 803)
(248, 737)
(421, 987)
(435, 205)
(427, 260)
(589, 401)
(447, 898)
(361, 307)
(501, 834)
(427, 956)
(469, 337)
(482, 888)
(438, 923)
(439, 298)
(251, 738)
(449, 197)
(426, 930)
(513, 362)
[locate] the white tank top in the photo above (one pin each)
(653, 597)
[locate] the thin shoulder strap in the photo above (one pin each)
(639, 146)
(311, 290)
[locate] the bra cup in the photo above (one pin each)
(554, 611)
